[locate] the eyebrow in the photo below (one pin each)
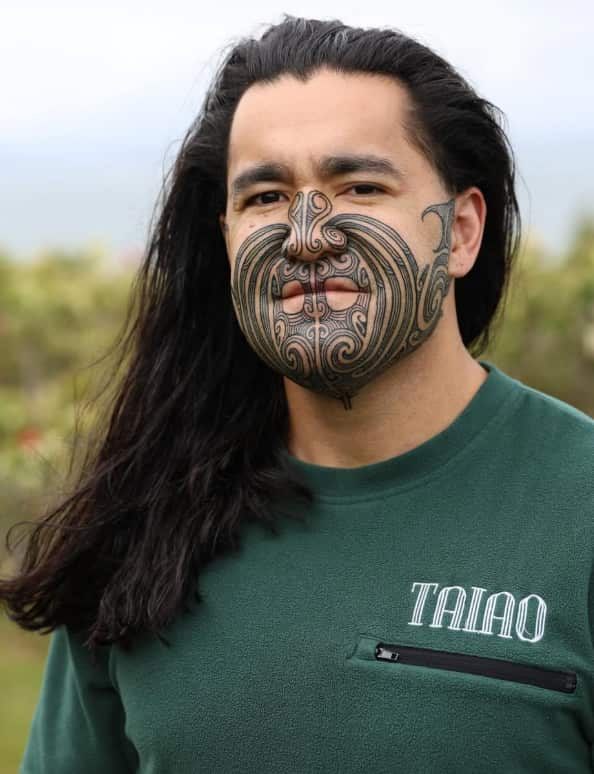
(326, 168)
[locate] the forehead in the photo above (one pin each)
(330, 112)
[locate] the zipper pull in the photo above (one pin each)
(386, 653)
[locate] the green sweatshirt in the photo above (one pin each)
(433, 614)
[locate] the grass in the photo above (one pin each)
(22, 658)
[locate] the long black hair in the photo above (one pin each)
(191, 443)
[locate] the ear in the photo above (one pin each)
(223, 225)
(467, 231)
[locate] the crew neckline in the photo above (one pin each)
(421, 461)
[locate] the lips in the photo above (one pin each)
(342, 284)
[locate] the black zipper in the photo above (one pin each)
(478, 665)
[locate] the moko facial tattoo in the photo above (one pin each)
(393, 308)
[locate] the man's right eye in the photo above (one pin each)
(265, 198)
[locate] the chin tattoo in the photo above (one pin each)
(320, 344)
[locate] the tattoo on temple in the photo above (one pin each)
(329, 350)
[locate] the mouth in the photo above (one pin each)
(333, 284)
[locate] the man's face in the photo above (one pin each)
(337, 229)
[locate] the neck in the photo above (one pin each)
(413, 401)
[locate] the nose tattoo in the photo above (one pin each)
(305, 212)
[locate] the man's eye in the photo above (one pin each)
(365, 188)
(266, 197)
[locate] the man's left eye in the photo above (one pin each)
(365, 188)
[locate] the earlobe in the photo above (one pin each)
(467, 231)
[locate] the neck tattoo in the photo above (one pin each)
(395, 307)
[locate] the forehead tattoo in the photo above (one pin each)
(337, 351)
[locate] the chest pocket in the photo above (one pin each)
(394, 656)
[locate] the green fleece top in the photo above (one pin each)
(433, 614)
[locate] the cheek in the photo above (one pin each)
(238, 232)
(235, 238)
(414, 235)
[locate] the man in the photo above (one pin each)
(429, 610)
(336, 149)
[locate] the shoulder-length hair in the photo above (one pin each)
(192, 442)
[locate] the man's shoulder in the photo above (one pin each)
(547, 427)
(555, 413)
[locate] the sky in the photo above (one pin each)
(97, 97)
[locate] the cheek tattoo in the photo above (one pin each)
(337, 351)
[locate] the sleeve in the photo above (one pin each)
(78, 724)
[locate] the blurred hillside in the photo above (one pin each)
(546, 334)
(58, 315)
(60, 312)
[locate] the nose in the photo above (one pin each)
(309, 236)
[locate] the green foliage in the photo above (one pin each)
(546, 337)
(58, 315)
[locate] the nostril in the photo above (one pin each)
(286, 251)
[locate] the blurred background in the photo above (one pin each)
(96, 99)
